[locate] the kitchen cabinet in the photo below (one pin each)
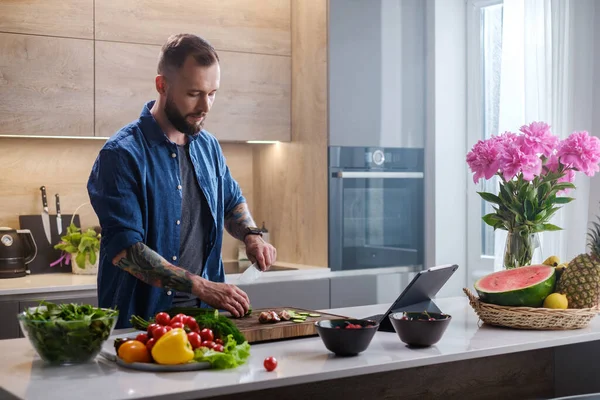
(312, 294)
(65, 18)
(233, 25)
(9, 328)
(253, 102)
(377, 73)
(14, 304)
(50, 84)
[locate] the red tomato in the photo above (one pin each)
(150, 344)
(207, 343)
(219, 341)
(191, 323)
(151, 328)
(270, 363)
(162, 318)
(176, 325)
(142, 337)
(158, 332)
(218, 347)
(168, 328)
(178, 318)
(194, 340)
(207, 334)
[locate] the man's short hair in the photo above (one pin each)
(177, 49)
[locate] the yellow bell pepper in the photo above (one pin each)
(173, 348)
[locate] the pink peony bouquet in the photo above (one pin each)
(535, 168)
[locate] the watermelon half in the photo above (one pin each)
(524, 286)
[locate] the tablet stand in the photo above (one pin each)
(385, 325)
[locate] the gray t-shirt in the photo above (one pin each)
(194, 221)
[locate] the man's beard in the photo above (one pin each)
(179, 121)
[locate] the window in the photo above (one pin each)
(484, 59)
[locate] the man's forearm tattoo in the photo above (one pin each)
(148, 266)
(238, 220)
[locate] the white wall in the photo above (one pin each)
(447, 114)
(594, 204)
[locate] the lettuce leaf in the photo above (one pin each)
(233, 354)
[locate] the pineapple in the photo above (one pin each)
(580, 281)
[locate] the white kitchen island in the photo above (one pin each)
(469, 362)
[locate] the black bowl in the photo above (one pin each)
(343, 341)
(416, 329)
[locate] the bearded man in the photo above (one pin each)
(163, 195)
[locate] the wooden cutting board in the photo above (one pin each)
(255, 331)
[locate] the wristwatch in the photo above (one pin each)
(253, 230)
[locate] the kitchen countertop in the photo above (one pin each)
(23, 374)
(63, 282)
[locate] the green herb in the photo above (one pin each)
(211, 319)
(206, 318)
(82, 245)
(233, 354)
(67, 333)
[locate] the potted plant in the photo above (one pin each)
(83, 247)
(535, 168)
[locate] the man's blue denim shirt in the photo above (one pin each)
(134, 188)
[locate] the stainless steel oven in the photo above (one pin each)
(376, 207)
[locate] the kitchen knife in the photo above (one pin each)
(58, 216)
(251, 274)
(46, 215)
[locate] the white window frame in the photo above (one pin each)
(478, 265)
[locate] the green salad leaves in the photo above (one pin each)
(67, 333)
(233, 354)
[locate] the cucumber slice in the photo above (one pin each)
(298, 321)
(302, 313)
(314, 315)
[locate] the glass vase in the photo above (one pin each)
(520, 249)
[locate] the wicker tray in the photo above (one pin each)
(531, 317)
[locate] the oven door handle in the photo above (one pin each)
(377, 175)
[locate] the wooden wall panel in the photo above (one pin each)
(64, 166)
(236, 25)
(290, 185)
(253, 102)
(69, 18)
(46, 85)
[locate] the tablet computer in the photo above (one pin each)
(417, 296)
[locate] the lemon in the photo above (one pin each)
(556, 300)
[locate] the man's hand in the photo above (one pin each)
(223, 296)
(259, 251)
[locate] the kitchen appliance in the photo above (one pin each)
(17, 250)
(376, 208)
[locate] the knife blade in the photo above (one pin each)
(46, 215)
(251, 274)
(58, 216)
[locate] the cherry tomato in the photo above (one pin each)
(162, 318)
(207, 334)
(168, 328)
(219, 341)
(194, 340)
(142, 337)
(150, 344)
(218, 347)
(270, 363)
(192, 324)
(158, 332)
(207, 343)
(178, 318)
(152, 327)
(176, 325)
